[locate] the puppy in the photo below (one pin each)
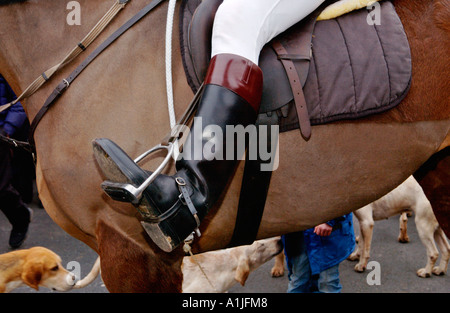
(226, 267)
(409, 196)
(34, 267)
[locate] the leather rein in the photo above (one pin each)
(65, 83)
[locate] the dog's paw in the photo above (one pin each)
(438, 271)
(353, 257)
(277, 271)
(360, 268)
(403, 239)
(423, 273)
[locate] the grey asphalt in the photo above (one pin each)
(397, 262)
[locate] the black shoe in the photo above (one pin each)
(19, 232)
(173, 206)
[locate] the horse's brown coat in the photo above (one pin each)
(121, 96)
(136, 263)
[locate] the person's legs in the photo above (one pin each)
(328, 280)
(17, 213)
(299, 274)
(299, 269)
(11, 204)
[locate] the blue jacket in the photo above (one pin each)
(323, 252)
(13, 118)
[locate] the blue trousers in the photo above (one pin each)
(302, 281)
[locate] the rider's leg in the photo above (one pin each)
(244, 27)
(231, 96)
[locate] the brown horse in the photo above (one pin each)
(121, 96)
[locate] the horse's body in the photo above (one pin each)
(121, 96)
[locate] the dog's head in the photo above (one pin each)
(255, 255)
(43, 267)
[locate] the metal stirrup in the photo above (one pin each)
(134, 194)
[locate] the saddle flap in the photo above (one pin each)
(297, 42)
(199, 20)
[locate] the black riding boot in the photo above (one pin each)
(173, 206)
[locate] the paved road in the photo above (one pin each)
(398, 262)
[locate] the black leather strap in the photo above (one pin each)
(66, 82)
(255, 185)
(15, 143)
(186, 198)
(297, 89)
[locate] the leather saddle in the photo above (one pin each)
(344, 68)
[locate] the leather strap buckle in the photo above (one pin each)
(185, 197)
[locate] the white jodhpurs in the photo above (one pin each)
(243, 27)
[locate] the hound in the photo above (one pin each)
(34, 267)
(409, 196)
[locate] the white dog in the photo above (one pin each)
(409, 196)
(226, 267)
(223, 268)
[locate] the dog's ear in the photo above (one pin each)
(242, 271)
(32, 274)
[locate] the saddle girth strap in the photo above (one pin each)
(254, 189)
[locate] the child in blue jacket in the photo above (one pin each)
(313, 255)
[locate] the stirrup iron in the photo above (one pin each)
(126, 192)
